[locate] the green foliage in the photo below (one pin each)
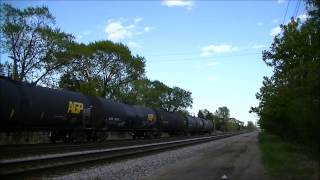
(35, 47)
(177, 99)
(223, 113)
(231, 126)
(103, 68)
(149, 93)
(206, 114)
(285, 160)
(290, 98)
(157, 95)
(200, 114)
(222, 117)
(250, 126)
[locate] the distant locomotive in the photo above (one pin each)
(72, 116)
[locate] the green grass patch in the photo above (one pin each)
(285, 160)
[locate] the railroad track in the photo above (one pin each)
(23, 150)
(24, 167)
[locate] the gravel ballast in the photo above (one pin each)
(142, 167)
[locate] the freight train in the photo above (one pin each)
(72, 116)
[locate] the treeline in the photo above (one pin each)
(40, 53)
(290, 99)
(222, 120)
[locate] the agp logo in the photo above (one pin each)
(151, 118)
(75, 107)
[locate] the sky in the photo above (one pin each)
(210, 48)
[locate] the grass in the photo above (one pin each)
(285, 160)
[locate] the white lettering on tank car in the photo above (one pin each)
(114, 119)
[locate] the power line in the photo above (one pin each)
(208, 58)
(196, 53)
(285, 15)
(297, 8)
(174, 54)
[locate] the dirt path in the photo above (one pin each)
(232, 158)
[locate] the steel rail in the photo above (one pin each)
(22, 166)
(15, 151)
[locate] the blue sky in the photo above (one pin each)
(211, 48)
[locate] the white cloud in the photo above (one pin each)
(138, 19)
(123, 29)
(217, 49)
(258, 46)
(275, 31)
(133, 44)
(147, 29)
(180, 3)
(116, 31)
(280, 1)
(275, 21)
(260, 24)
(303, 17)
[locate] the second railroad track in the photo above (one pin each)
(37, 164)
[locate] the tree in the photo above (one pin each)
(109, 70)
(105, 69)
(206, 114)
(35, 47)
(177, 99)
(200, 114)
(155, 94)
(250, 126)
(222, 115)
(5, 69)
(138, 93)
(290, 99)
(223, 112)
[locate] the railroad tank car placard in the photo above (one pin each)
(75, 107)
(151, 118)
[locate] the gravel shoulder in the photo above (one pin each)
(234, 158)
(237, 157)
